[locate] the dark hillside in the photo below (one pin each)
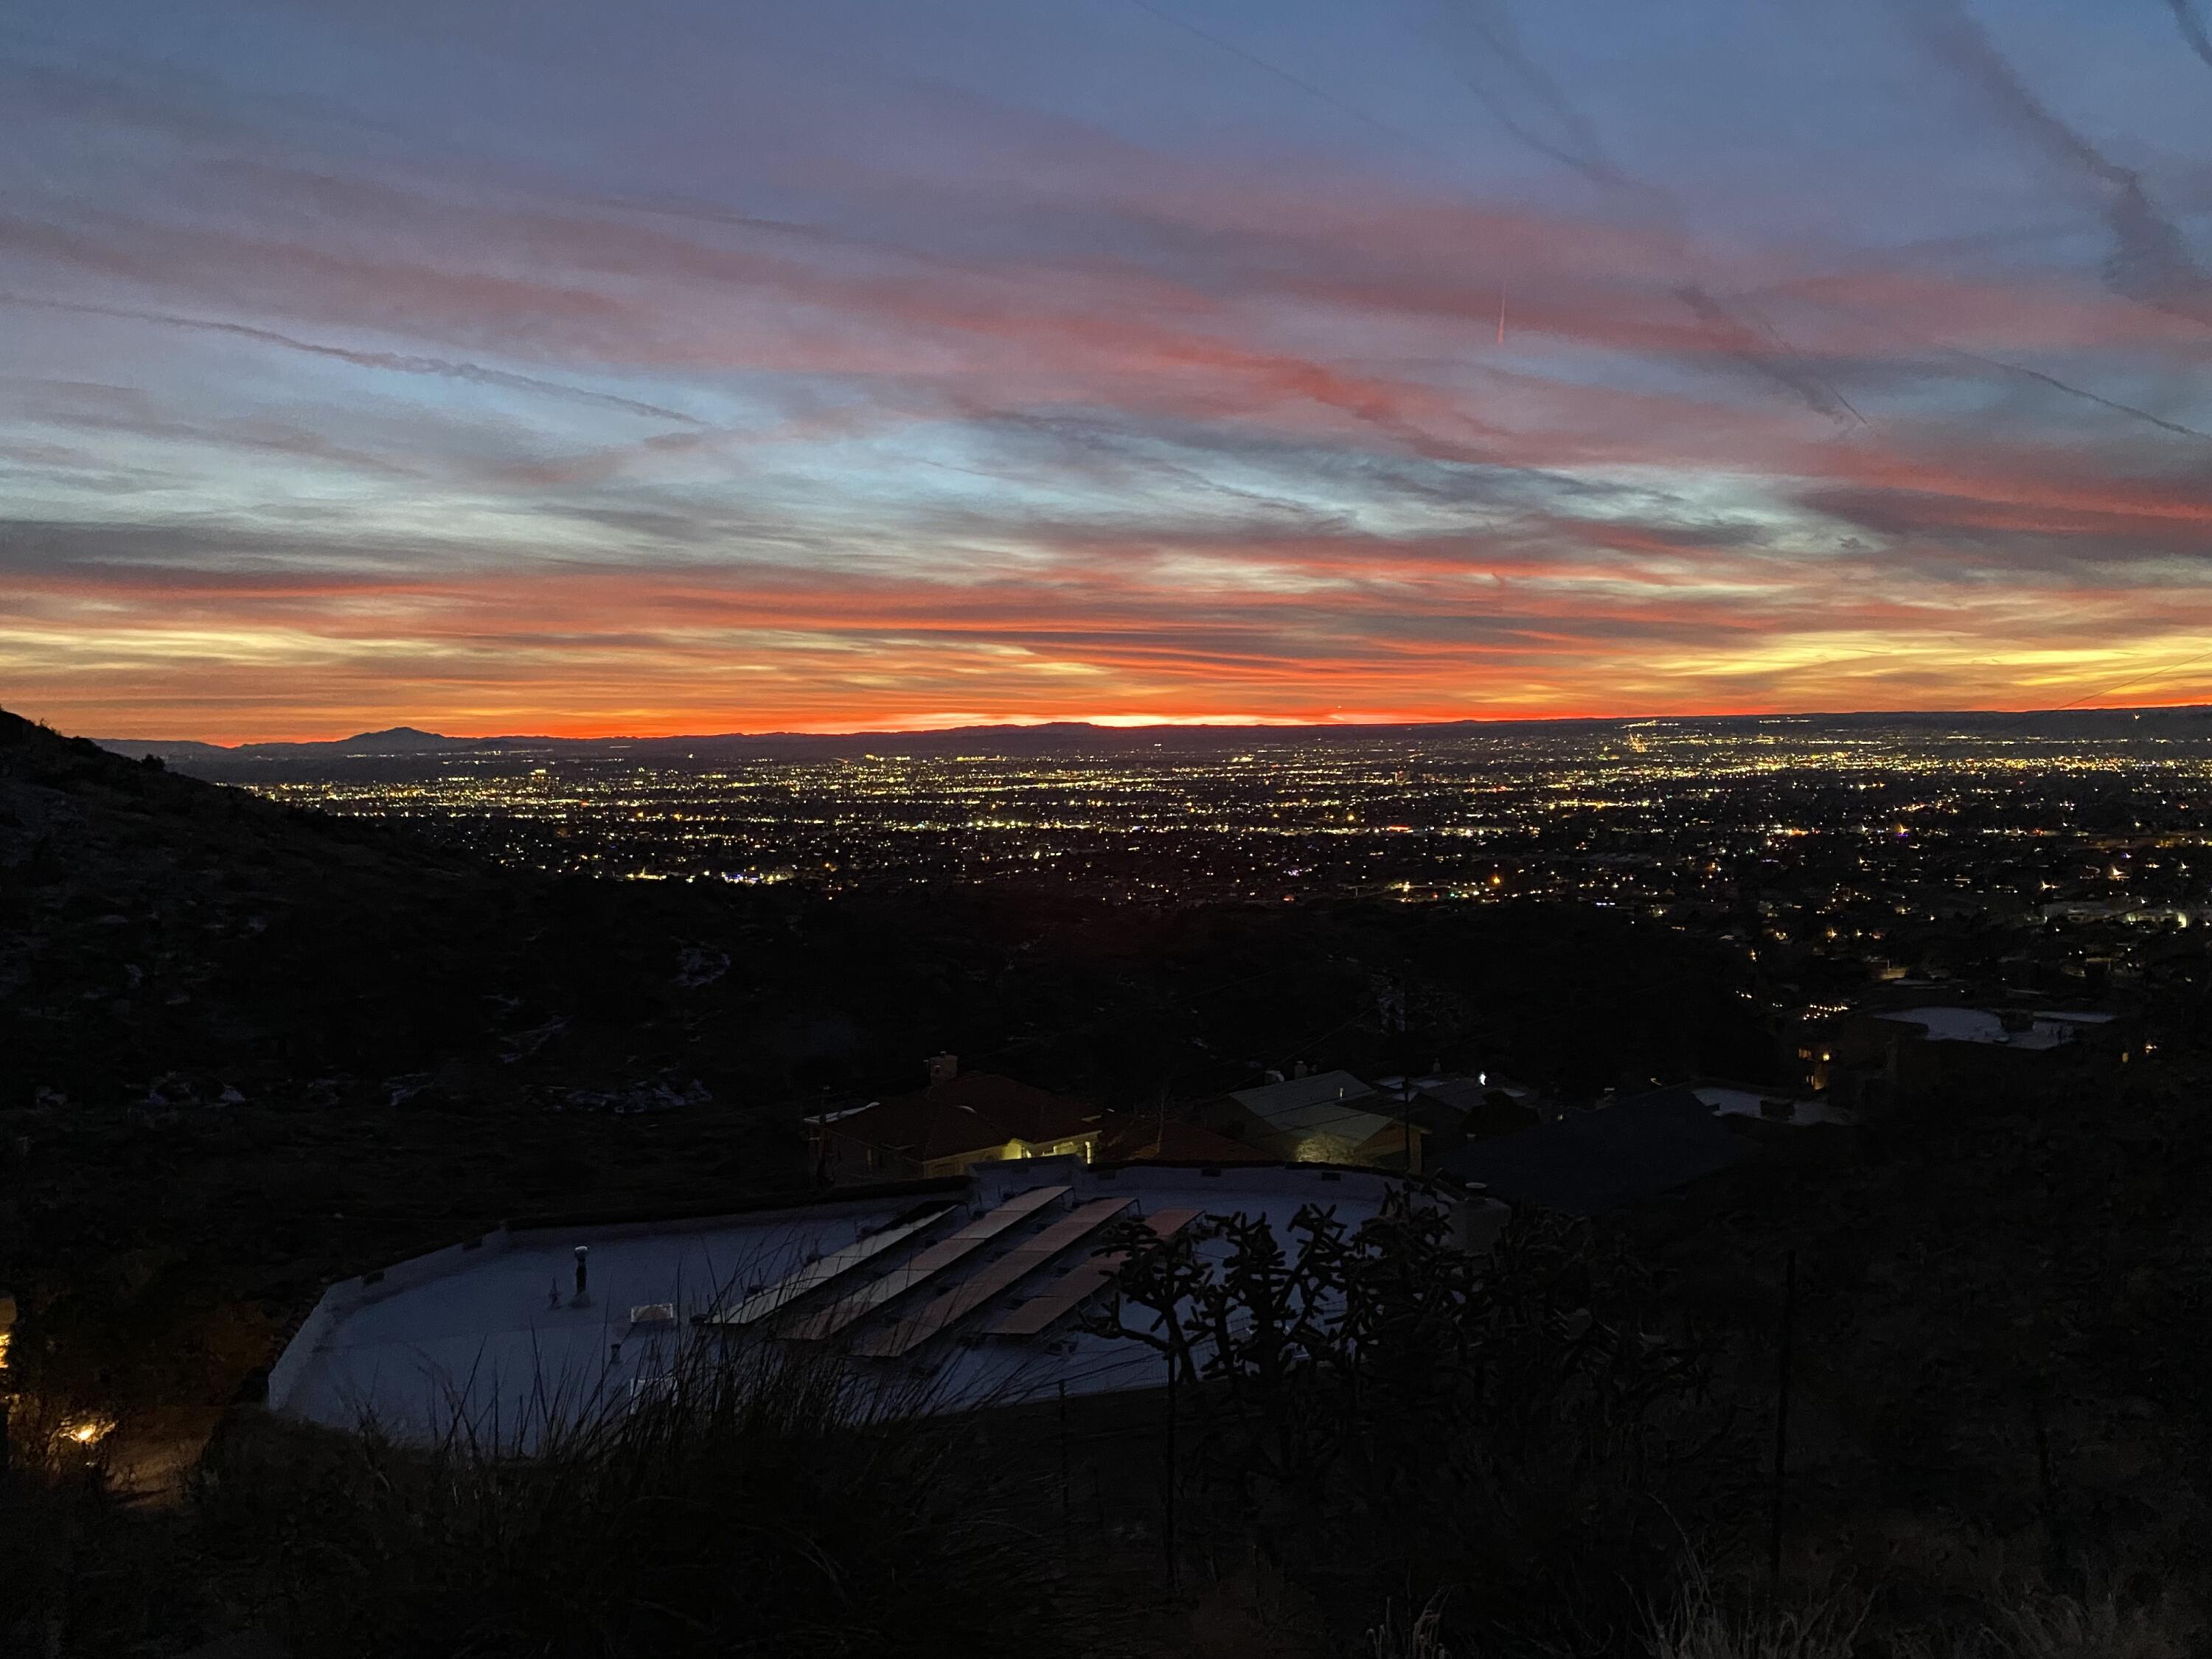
(245, 1050)
(250, 1048)
(194, 938)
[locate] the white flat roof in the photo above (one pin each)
(2050, 1028)
(1747, 1103)
(491, 1330)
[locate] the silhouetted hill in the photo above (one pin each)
(392, 740)
(167, 927)
(157, 924)
(251, 1047)
(382, 752)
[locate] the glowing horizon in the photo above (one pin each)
(865, 368)
(926, 727)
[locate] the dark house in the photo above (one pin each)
(1451, 1111)
(1607, 1159)
(960, 1120)
(1947, 1054)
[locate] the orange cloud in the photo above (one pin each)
(1140, 437)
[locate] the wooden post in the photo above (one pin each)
(1066, 1497)
(1782, 1423)
(2057, 1566)
(1167, 1532)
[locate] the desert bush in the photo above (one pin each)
(1391, 1416)
(84, 1570)
(2016, 1620)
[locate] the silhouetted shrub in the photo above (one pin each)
(1391, 1414)
(740, 1507)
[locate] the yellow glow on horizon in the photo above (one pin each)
(233, 683)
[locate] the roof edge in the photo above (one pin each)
(810, 1197)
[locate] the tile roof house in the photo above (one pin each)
(960, 1120)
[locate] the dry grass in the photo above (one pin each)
(1404, 1634)
(2017, 1623)
(1702, 1626)
(748, 1506)
(2100, 1628)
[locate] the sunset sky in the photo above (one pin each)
(714, 365)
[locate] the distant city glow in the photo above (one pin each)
(1670, 820)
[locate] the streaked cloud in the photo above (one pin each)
(904, 386)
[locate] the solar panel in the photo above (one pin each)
(981, 1286)
(819, 1272)
(849, 1310)
(1080, 1283)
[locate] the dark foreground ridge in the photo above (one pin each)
(251, 1050)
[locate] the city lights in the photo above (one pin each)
(1842, 833)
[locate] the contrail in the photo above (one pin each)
(2083, 393)
(2150, 259)
(1743, 343)
(2192, 29)
(2020, 369)
(475, 373)
(1311, 88)
(1583, 150)
(1760, 348)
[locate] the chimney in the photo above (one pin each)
(943, 1069)
(1300, 1070)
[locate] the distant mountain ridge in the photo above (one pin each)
(401, 743)
(392, 740)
